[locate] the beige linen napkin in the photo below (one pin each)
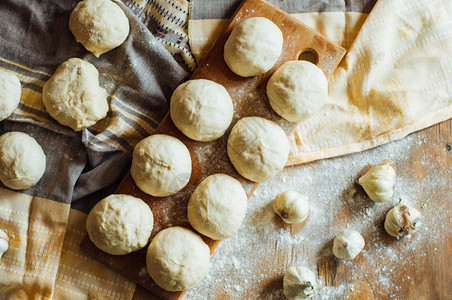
(395, 79)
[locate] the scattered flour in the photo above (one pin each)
(251, 263)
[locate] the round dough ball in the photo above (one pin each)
(22, 161)
(217, 207)
(99, 25)
(348, 244)
(297, 90)
(120, 224)
(258, 148)
(161, 165)
(291, 206)
(177, 259)
(253, 47)
(202, 109)
(73, 97)
(299, 283)
(10, 91)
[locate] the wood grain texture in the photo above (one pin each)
(416, 267)
(249, 98)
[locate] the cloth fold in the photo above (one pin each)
(394, 80)
(82, 167)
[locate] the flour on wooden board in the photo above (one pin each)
(237, 271)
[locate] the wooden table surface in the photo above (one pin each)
(415, 267)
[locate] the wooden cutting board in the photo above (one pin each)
(249, 98)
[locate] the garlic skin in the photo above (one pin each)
(379, 182)
(4, 242)
(348, 244)
(402, 220)
(299, 283)
(291, 206)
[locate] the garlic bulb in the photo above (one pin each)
(379, 182)
(298, 283)
(291, 206)
(348, 244)
(401, 220)
(4, 242)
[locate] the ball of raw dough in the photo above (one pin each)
(291, 206)
(9, 94)
(202, 109)
(22, 161)
(177, 259)
(4, 242)
(99, 25)
(73, 97)
(348, 244)
(253, 47)
(299, 283)
(120, 224)
(258, 148)
(217, 207)
(297, 90)
(161, 165)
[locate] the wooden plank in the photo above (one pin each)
(249, 98)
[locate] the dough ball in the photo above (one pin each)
(217, 207)
(161, 165)
(253, 47)
(10, 91)
(99, 25)
(348, 244)
(299, 283)
(291, 206)
(202, 109)
(297, 90)
(177, 259)
(73, 97)
(258, 148)
(120, 224)
(4, 242)
(22, 161)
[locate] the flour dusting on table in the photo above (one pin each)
(240, 265)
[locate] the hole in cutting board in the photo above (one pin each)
(309, 55)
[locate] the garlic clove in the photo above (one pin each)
(348, 244)
(402, 220)
(299, 283)
(379, 182)
(291, 206)
(4, 242)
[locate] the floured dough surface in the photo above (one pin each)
(253, 47)
(177, 259)
(258, 148)
(73, 97)
(99, 25)
(217, 207)
(9, 93)
(202, 109)
(22, 160)
(297, 90)
(161, 165)
(120, 224)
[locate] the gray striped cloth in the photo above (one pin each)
(139, 77)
